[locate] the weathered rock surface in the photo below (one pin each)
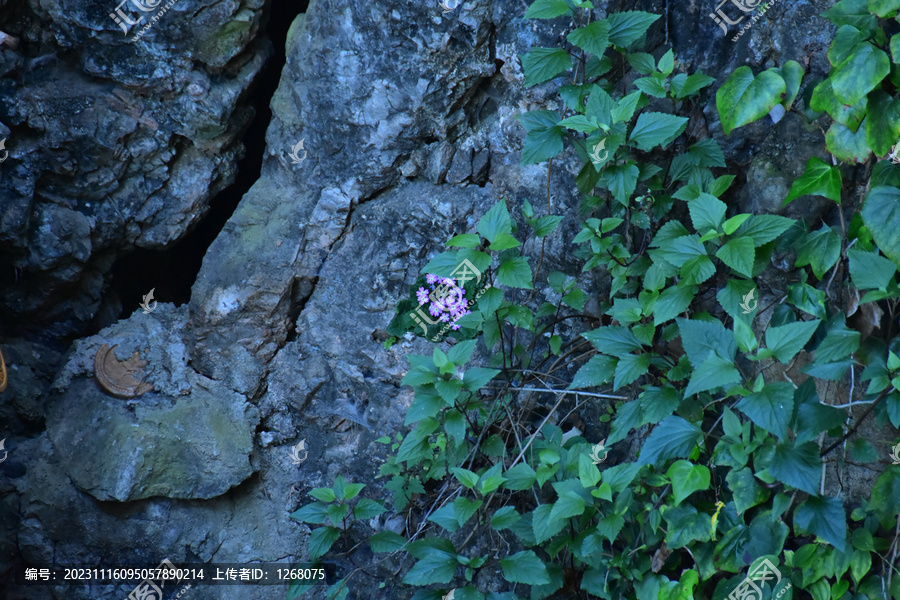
(112, 145)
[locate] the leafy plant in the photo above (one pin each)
(731, 470)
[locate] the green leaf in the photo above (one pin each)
(672, 302)
(614, 340)
(764, 228)
(588, 473)
(652, 86)
(543, 526)
(543, 64)
(386, 541)
(713, 373)
(826, 518)
(687, 478)
(870, 271)
(629, 368)
(820, 250)
(548, 9)
(689, 85)
(686, 525)
(495, 222)
(656, 129)
(593, 38)
(367, 509)
(461, 352)
(808, 299)
(820, 179)
(846, 145)
(514, 271)
(797, 465)
(641, 62)
(628, 26)
(787, 340)
(884, 8)
(744, 98)
(437, 563)
(545, 225)
(738, 253)
(747, 492)
(851, 12)
(465, 477)
(610, 526)
(792, 73)
(323, 494)
(823, 99)
(504, 518)
(477, 377)
(321, 540)
(667, 63)
(464, 240)
(598, 370)
(314, 513)
(771, 408)
(882, 122)
(881, 214)
(519, 477)
(352, 490)
(544, 139)
(840, 342)
(524, 567)
(859, 73)
(702, 339)
(569, 504)
(625, 107)
(673, 438)
(464, 508)
(707, 212)
(621, 180)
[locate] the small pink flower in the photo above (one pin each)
(431, 279)
(422, 296)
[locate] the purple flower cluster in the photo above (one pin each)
(448, 300)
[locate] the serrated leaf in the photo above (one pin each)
(672, 438)
(629, 368)
(672, 302)
(826, 518)
(598, 370)
(629, 26)
(543, 64)
(496, 221)
(656, 129)
(593, 38)
(764, 228)
(548, 9)
(386, 541)
(713, 373)
(614, 340)
(321, 540)
(621, 180)
(738, 253)
(798, 466)
(707, 212)
(701, 339)
(820, 250)
(819, 179)
(525, 567)
(870, 271)
(519, 477)
(465, 477)
(787, 340)
(771, 408)
(514, 271)
(744, 98)
(504, 518)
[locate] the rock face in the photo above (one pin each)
(112, 145)
(408, 121)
